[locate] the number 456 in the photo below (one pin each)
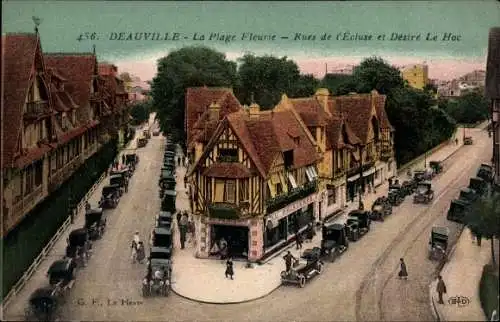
(87, 36)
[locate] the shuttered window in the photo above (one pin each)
(291, 178)
(284, 185)
(230, 191)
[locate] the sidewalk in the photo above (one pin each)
(203, 280)
(461, 275)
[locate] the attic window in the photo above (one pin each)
(296, 140)
(228, 155)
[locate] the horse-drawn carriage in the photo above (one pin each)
(302, 271)
(358, 224)
(159, 273)
(95, 222)
(334, 241)
(438, 243)
(110, 196)
(79, 246)
(424, 193)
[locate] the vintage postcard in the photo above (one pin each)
(250, 161)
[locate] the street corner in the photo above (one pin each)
(209, 285)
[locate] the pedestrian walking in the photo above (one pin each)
(185, 182)
(403, 273)
(456, 141)
(179, 216)
(440, 289)
(191, 228)
(298, 240)
(288, 260)
(183, 229)
(123, 158)
(479, 237)
(229, 268)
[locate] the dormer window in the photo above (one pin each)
(296, 140)
(288, 158)
(228, 155)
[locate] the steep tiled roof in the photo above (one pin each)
(334, 137)
(381, 112)
(493, 65)
(271, 133)
(227, 170)
(310, 110)
(356, 109)
(198, 99)
(78, 70)
(18, 56)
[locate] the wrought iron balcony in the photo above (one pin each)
(224, 210)
(283, 200)
(35, 109)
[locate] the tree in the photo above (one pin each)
(484, 218)
(140, 112)
(125, 77)
(183, 68)
(375, 73)
(472, 107)
(339, 84)
(306, 85)
(431, 88)
(266, 78)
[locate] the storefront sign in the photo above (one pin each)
(229, 222)
(291, 208)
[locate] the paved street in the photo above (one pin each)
(360, 285)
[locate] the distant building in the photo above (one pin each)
(476, 78)
(138, 91)
(417, 76)
(457, 87)
(493, 93)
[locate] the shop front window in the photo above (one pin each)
(276, 234)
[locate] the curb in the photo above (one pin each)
(226, 303)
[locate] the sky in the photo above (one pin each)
(450, 36)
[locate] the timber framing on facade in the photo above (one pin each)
(54, 110)
(271, 173)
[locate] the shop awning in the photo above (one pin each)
(365, 174)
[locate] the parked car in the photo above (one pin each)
(334, 240)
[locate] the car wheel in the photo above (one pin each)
(319, 267)
(283, 274)
(302, 281)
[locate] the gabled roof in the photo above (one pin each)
(310, 110)
(227, 170)
(382, 113)
(78, 69)
(198, 99)
(335, 137)
(493, 65)
(357, 109)
(18, 57)
(270, 134)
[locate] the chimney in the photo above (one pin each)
(254, 110)
(214, 111)
(322, 95)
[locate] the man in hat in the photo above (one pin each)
(288, 260)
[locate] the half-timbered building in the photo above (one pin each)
(255, 182)
(52, 107)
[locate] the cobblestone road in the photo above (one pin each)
(109, 288)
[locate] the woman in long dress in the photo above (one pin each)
(403, 273)
(140, 253)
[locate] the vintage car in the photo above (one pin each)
(169, 154)
(362, 217)
(334, 241)
(468, 195)
(302, 271)
(436, 167)
(166, 175)
(479, 185)
(124, 172)
(162, 237)
(407, 188)
(159, 276)
(164, 219)
(44, 304)
(95, 222)
(420, 175)
(485, 172)
(395, 195)
(438, 243)
(168, 200)
(110, 197)
(79, 246)
(142, 142)
(170, 147)
(62, 272)
(468, 140)
(352, 230)
(121, 181)
(424, 193)
(131, 160)
(457, 211)
(168, 163)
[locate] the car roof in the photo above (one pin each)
(114, 186)
(425, 183)
(441, 230)
(157, 249)
(334, 226)
(79, 231)
(162, 231)
(61, 265)
(42, 292)
(468, 190)
(94, 211)
(476, 179)
(460, 202)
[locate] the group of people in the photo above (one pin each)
(137, 247)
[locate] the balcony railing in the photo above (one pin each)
(223, 210)
(283, 200)
(27, 203)
(34, 109)
(64, 173)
